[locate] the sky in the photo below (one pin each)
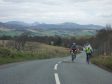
(97, 12)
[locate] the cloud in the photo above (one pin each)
(49, 2)
(20, 1)
(107, 16)
(57, 11)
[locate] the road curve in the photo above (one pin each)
(54, 71)
(80, 72)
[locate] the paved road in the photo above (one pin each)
(54, 71)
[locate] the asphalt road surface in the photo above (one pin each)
(54, 71)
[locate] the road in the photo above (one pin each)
(54, 71)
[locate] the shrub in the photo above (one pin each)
(5, 52)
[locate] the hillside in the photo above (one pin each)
(32, 51)
(15, 28)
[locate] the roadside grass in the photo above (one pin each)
(32, 51)
(103, 62)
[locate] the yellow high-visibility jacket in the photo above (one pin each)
(87, 50)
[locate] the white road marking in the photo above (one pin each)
(55, 67)
(57, 78)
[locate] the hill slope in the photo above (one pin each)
(67, 29)
(32, 51)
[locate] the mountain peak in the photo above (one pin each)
(70, 23)
(17, 23)
(65, 25)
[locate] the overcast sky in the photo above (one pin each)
(57, 11)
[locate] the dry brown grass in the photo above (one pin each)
(32, 51)
(103, 61)
(45, 50)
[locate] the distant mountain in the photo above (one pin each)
(19, 23)
(36, 25)
(2, 24)
(66, 29)
(67, 25)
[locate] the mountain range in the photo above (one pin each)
(43, 29)
(70, 25)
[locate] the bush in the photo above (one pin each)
(5, 52)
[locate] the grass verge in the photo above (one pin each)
(103, 62)
(32, 51)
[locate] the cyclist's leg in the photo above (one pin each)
(90, 56)
(87, 58)
(72, 56)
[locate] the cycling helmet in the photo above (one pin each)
(74, 43)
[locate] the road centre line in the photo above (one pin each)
(56, 74)
(57, 78)
(55, 67)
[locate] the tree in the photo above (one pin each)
(21, 40)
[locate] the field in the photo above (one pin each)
(10, 33)
(51, 32)
(32, 51)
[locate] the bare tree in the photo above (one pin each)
(21, 40)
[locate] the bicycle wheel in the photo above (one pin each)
(73, 57)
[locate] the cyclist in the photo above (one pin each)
(88, 50)
(73, 51)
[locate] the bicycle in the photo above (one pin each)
(73, 55)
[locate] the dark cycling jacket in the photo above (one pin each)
(74, 48)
